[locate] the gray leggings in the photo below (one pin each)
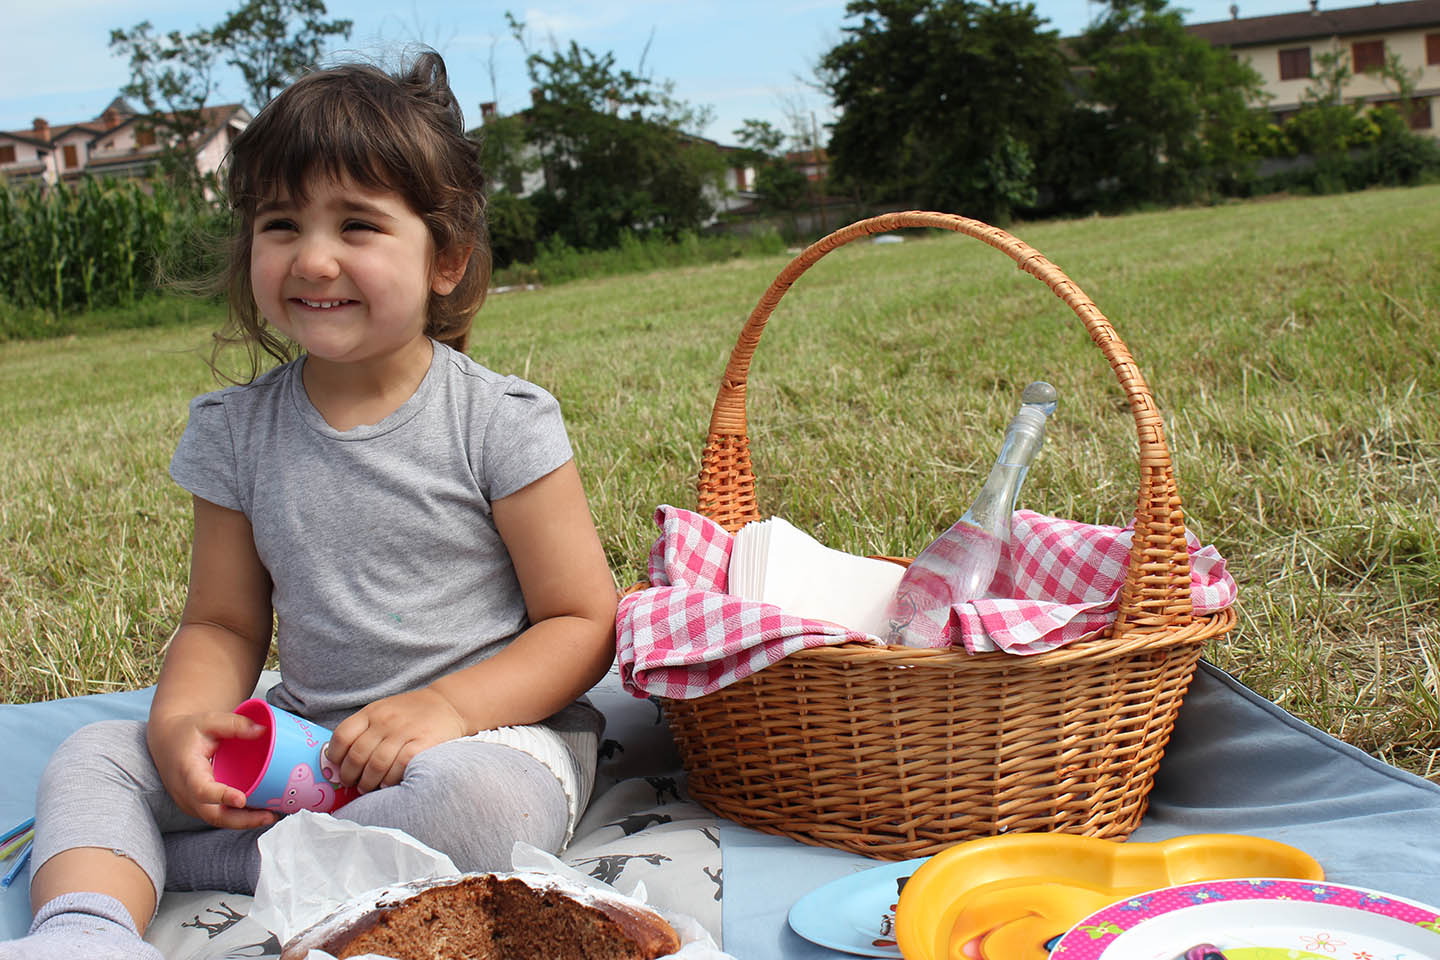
(471, 800)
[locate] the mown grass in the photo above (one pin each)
(557, 262)
(1293, 347)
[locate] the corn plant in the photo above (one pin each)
(92, 245)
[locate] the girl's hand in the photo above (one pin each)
(372, 747)
(182, 747)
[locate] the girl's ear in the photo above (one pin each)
(450, 270)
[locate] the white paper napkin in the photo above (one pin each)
(311, 864)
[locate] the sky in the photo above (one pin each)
(740, 59)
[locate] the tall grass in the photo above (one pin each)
(88, 246)
(1292, 346)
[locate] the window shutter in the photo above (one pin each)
(1295, 63)
(1367, 55)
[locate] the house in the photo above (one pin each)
(814, 163)
(115, 144)
(738, 187)
(1283, 49)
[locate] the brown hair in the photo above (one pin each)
(403, 132)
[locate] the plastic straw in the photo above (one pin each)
(16, 830)
(19, 865)
(11, 846)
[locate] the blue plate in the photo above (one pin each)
(855, 914)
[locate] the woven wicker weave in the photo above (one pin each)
(896, 752)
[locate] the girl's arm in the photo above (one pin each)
(570, 597)
(212, 664)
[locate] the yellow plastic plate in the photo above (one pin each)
(1006, 898)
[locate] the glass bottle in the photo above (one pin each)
(960, 564)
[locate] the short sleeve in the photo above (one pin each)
(524, 441)
(204, 461)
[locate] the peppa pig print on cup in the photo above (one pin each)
(284, 771)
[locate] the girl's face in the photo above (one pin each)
(347, 274)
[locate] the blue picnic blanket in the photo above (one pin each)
(29, 734)
(1235, 764)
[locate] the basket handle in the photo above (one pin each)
(1156, 591)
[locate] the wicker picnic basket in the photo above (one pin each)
(895, 752)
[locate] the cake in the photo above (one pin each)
(491, 916)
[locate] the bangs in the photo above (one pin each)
(332, 134)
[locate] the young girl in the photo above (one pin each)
(409, 525)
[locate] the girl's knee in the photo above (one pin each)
(519, 797)
(97, 752)
(489, 774)
(472, 801)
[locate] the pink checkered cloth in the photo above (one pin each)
(1058, 582)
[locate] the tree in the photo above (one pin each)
(1402, 156)
(511, 218)
(781, 186)
(1326, 128)
(1175, 112)
(172, 77)
(271, 42)
(944, 103)
(614, 149)
(1328, 80)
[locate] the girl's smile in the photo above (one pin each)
(323, 304)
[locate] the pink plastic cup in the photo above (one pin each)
(284, 770)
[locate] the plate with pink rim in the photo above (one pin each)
(1258, 919)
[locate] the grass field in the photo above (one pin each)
(1293, 347)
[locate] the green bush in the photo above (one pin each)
(513, 228)
(1399, 156)
(1345, 148)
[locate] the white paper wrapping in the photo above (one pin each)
(313, 864)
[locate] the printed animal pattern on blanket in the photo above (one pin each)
(208, 925)
(638, 822)
(647, 830)
(717, 876)
(607, 869)
(225, 918)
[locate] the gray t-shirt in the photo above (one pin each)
(386, 566)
